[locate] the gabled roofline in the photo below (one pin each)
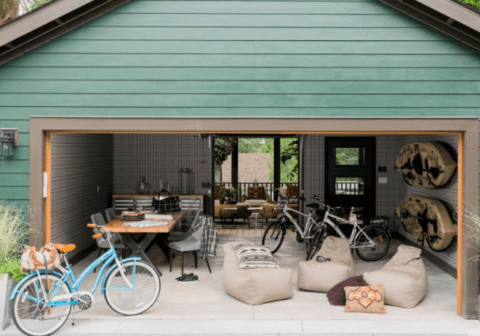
(48, 22)
(455, 11)
(61, 16)
(446, 16)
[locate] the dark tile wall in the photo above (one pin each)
(448, 194)
(160, 157)
(314, 172)
(80, 163)
(388, 195)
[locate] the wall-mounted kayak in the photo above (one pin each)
(427, 219)
(425, 164)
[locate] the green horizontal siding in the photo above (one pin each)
(245, 7)
(240, 100)
(238, 58)
(16, 112)
(15, 193)
(249, 61)
(241, 87)
(242, 20)
(253, 47)
(253, 33)
(453, 75)
(13, 166)
(14, 179)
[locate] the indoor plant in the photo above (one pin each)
(228, 194)
(13, 236)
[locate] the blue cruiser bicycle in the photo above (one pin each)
(42, 301)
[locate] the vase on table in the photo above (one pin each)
(143, 186)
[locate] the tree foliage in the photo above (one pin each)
(475, 3)
(9, 9)
(30, 5)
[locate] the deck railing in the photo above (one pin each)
(348, 188)
(243, 186)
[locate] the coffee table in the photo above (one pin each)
(232, 212)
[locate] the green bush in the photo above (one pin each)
(471, 2)
(13, 236)
(13, 268)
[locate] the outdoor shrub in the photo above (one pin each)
(13, 232)
(13, 268)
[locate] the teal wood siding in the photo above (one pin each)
(238, 58)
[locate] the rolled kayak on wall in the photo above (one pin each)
(427, 220)
(425, 164)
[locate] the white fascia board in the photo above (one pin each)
(24, 25)
(455, 11)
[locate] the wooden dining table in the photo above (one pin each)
(157, 233)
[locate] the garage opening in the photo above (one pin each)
(92, 171)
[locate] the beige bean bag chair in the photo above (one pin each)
(322, 276)
(257, 285)
(404, 278)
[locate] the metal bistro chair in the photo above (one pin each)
(102, 243)
(190, 244)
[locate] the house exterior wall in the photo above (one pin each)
(229, 58)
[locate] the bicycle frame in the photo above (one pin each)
(356, 227)
(300, 230)
(68, 278)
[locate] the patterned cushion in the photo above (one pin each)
(257, 192)
(336, 295)
(251, 256)
(365, 299)
(292, 190)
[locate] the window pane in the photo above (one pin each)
(349, 156)
(349, 186)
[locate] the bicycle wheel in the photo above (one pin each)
(36, 319)
(274, 235)
(145, 292)
(381, 238)
(316, 243)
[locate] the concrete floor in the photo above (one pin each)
(205, 307)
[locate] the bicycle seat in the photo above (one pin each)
(65, 248)
(313, 205)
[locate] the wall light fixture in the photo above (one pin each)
(9, 138)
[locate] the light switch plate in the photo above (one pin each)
(382, 180)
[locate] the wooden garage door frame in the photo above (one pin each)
(466, 129)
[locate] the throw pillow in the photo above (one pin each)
(257, 192)
(251, 256)
(365, 299)
(292, 190)
(336, 295)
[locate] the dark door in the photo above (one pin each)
(350, 172)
